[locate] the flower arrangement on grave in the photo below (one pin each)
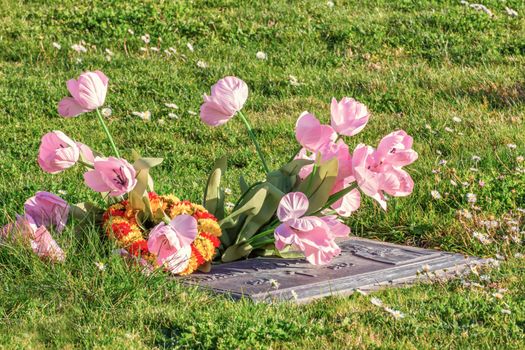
(297, 209)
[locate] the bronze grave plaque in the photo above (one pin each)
(363, 264)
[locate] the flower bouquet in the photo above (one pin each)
(296, 210)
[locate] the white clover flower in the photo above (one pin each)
(471, 198)
(79, 48)
(294, 81)
(511, 145)
(202, 64)
(435, 194)
(330, 4)
(171, 105)
(146, 38)
(57, 45)
(190, 47)
(395, 313)
(100, 265)
(456, 119)
(106, 112)
(146, 116)
(261, 55)
(484, 239)
(476, 158)
(505, 312)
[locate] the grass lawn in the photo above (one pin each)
(451, 76)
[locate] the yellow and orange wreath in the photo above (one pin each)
(120, 223)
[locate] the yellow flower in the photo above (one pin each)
(210, 226)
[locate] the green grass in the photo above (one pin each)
(415, 64)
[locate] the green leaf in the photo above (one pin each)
(243, 184)
(318, 185)
(236, 252)
(294, 167)
(146, 163)
(214, 194)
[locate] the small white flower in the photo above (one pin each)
(100, 265)
(480, 7)
(330, 4)
(202, 64)
(435, 194)
(62, 192)
(192, 113)
(79, 48)
(146, 38)
(471, 198)
(505, 312)
(511, 12)
(511, 145)
(146, 116)
(519, 159)
(190, 47)
(106, 112)
(426, 267)
(376, 302)
(476, 158)
(228, 191)
(481, 237)
(456, 119)
(131, 32)
(171, 105)
(261, 55)
(519, 256)
(442, 162)
(294, 81)
(395, 313)
(173, 116)
(57, 46)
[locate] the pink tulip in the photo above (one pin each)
(38, 237)
(172, 242)
(88, 93)
(228, 96)
(349, 117)
(350, 201)
(86, 153)
(113, 175)
(379, 171)
(313, 235)
(57, 152)
(47, 209)
(311, 134)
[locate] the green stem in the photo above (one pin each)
(252, 136)
(89, 165)
(106, 130)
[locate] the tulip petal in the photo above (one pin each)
(94, 181)
(179, 261)
(185, 227)
(348, 204)
(311, 134)
(68, 108)
(292, 206)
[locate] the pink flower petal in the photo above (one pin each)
(311, 134)
(292, 206)
(68, 107)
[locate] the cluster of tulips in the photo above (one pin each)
(296, 210)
